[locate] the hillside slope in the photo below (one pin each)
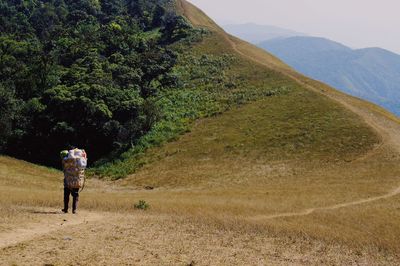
(289, 171)
(372, 74)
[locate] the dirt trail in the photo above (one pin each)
(328, 208)
(387, 129)
(53, 222)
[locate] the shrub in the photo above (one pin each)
(141, 205)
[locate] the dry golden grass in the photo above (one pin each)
(219, 190)
(167, 240)
(219, 211)
(223, 214)
(230, 197)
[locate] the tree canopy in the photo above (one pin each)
(83, 72)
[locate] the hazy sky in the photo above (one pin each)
(356, 23)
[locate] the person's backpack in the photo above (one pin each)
(74, 165)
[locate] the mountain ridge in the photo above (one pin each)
(369, 73)
(256, 33)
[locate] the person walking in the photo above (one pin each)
(74, 163)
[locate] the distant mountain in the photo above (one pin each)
(372, 73)
(257, 33)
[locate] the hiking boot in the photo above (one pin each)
(74, 212)
(64, 210)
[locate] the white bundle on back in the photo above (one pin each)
(71, 154)
(79, 156)
(74, 168)
(78, 153)
(81, 162)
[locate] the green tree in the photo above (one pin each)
(83, 72)
(9, 111)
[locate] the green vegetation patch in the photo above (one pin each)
(210, 86)
(84, 73)
(286, 122)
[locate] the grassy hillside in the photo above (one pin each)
(218, 77)
(273, 168)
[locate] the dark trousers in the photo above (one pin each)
(74, 192)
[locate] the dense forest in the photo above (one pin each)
(83, 73)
